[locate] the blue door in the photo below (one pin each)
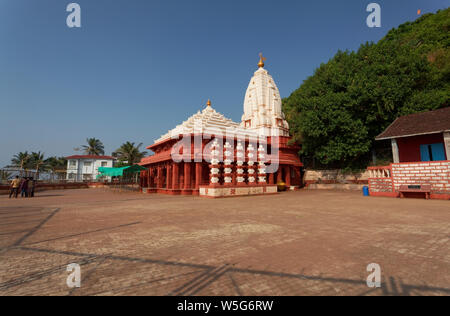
(438, 151)
(425, 153)
(432, 152)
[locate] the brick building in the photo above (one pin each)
(421, 150)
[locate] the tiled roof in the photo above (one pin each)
(206, 121)
(430, 122)
(90, 157)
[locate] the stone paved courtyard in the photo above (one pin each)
(296, 243)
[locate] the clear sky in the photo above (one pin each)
(137, 68)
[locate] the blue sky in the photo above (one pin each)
(137, 68)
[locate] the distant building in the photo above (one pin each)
(85, 167)
(420, 137)
(421, 155)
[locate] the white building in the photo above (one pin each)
(85, 167)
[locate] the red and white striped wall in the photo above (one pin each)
(386, 181)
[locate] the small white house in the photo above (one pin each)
(85, 167)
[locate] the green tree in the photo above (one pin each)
(21, 160)
(55, 165)
(5, 175)
(129, 153)
(93, 147)
(337, 113)
(37, 161)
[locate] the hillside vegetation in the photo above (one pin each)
(337, 112)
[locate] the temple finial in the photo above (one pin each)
(261, 60)
(208, 103)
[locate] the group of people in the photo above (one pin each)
(25, 186)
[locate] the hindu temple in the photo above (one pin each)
(212, 156)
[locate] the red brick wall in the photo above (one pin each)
(380, 185)
(409, 147)
(435, 173)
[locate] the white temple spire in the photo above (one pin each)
(262, 105)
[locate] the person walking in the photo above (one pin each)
(15, 184)
(31, 184)
(24, 187)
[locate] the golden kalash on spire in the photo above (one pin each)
(208, 103)
(261, 60)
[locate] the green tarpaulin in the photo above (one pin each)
(119, 172)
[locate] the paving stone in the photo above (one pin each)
(294, 243)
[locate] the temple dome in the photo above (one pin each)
(262, 105)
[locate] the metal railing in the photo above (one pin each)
(59, 177)
(126, 184)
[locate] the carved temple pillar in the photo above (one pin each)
(227, 165)
(169, 177)
(175, 175)
(187, 175)
(149, 177)
(154, 178)
(158, 177)
(279, 174)
(240, 156)
(214, 165)
(288, 176)
(261, 165)
(251, 164)
(198, 174)
(271, 178)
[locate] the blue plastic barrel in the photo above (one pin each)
(365, 190)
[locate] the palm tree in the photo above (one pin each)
(93, 147)
(21, 160)
(4, 175)
(129, 154)
(37, 161)
(56, 164)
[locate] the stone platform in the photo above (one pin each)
(223, 191)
